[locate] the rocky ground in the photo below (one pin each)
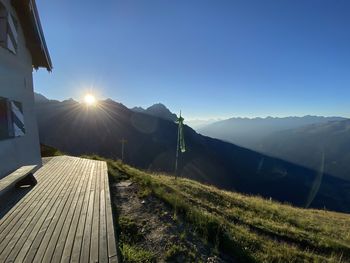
(149, 231)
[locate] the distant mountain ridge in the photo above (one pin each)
(197, 124)
(151, 142)
(300, 140)
(39, 98)
(248, 132)
(157, 110)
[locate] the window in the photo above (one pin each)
(11, 119)
(8, 30)
(4, 119)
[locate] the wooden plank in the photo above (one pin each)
(96, 219)
(34, 240)
(59, 224)
(103, 247)
(85, 248)
(78, 221)
(46, 160)
(112, 248)
(40, 219)
(73, 212)
(77, 245)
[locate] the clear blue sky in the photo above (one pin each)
(210, 58)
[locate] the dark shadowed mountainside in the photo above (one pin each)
(318, 146)
(311, 141)
(151, 142)
(157, 110)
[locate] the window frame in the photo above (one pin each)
(8, 30)
(11, 119)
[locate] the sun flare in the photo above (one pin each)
(90, 100)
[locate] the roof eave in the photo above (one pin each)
(30, 21)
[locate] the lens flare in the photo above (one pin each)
(89, 100)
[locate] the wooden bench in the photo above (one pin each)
(20, 177)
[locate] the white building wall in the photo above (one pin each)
(16, 83)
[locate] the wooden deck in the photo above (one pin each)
(66, 217)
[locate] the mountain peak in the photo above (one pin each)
(39, 98)
(138, 109)
(158, 106)
(158, 110)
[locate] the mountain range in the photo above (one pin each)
(197, 124)
(311, 141)
(248, 132)
(317, 145)
(77, 129)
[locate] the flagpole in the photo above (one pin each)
(123, 141)
(177, 148)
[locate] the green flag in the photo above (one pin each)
(180, 141)
(181, 136)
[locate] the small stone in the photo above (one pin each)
(124, 184)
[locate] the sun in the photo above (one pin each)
(90, 100)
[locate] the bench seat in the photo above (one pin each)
(22, 176)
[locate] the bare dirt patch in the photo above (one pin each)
(149, 231)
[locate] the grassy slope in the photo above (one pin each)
(249, 228)
(48, 151)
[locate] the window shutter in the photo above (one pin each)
(3, 26)
(12, 35)
(5, 119)
(11, 119)
(10, 45)
(17, 119)
(8, 30)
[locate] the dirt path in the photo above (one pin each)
(150, 232)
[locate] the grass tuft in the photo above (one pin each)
(135, 254)
(179, 253)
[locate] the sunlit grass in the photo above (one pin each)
(249, 228)
(135, 254)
